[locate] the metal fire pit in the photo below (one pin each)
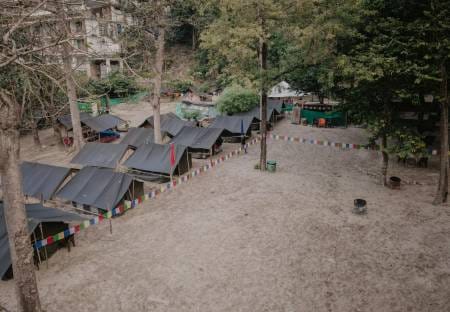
(360, 206)
(395, 183)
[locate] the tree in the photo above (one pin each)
(236, 99)
(16, 57)
(63, 10)
(154, 20)
(247, 27)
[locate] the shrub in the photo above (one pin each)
(181, 86)
(236, 99)
(191, 115)
(115, 85)
(408, 144)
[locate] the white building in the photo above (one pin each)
(96, 26)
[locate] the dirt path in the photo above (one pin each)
(236, 239)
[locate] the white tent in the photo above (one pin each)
(283, 90)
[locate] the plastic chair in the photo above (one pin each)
(322, 123)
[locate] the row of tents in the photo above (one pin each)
(100, 185)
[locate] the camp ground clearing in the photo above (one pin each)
(236, 239)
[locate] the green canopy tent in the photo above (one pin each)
(337, 119)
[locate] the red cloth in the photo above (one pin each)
(172, 155)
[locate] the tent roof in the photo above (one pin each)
(200, 138)
(103, 122)
(170, 123)
(66, 120)
(97, 123)
(96, 4)
(36, 214)
(98, 187)
(272, 108)
(232, 123)
(100, 154)
(255, 113)
(138, 136)
(277, 106)
(155, 158)
(39, 180)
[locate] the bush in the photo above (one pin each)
(408, 144)
(115, 85)
(181, 86)
(191, 115)
(236, 99)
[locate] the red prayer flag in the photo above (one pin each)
(172, 155)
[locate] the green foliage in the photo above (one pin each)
(236, 99)
(408, 144)
(115, 85)
(191, 115)
(232, 40)
(205, 87)
(181, 85)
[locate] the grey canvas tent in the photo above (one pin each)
(100, 188)
(100, 155)
(37, 214)
(232, 125)
(66, 121)
(138, 136)
(273, 111)
(103, 122)
(42, 181)
(155, 159)
(200, 140)
(170, 123)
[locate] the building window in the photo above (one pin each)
(78, 26)
(103, 29)
(80, 44)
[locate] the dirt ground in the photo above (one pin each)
(236, 239)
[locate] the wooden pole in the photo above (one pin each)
(187, 158)
(45, 247)
(37, 250)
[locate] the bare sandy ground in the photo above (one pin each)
(236, 239)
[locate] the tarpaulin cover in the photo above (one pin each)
(36, 214)
(100, 154)
(42, 181)
(272, 110)
(232, 124)
(276, 106)
(66, 120)
(103, 122)
(337, 118)
(198, 138)
(97, 187)
(170, 123)
(138, 136)
(156, 158)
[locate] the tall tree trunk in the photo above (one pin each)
(35, 132)
(107, 104)
(385, 160)
(72, 95)
(156, 102)
(70, 83)
(263, 70)
(321, 98)
(56, 131)
(34, 127)
(442, 191)
(53, 119)
(14, 210)
(194, 39)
